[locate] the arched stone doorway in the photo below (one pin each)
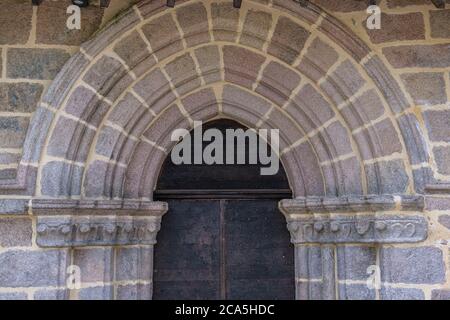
(350, 142)
(223, 236)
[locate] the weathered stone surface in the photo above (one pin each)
(392, 177)
(51, 294)
(163, 35)
(67, 231)
(15, 232)
(41, 64)
(406, 3)
(15, 19)
(13, 296)
(389, 293)
(445, 221)
(96, 264)
(193, 21)
(409, 56)
(372, 141)
(399, 27)
(19, 97)
(105, 74)
(442, 158)
(155, 90)
(134, 263)
(256, 28)
(55, 173)
(413, 138)
(70, 140)
(438, 125)
(202, 103)
(364, 109)
(277, 83)
(208, 58)
(134, 51)
(96, 293)
(310, 109)
(356, 292)
(426, 88)
(387, 84)
(343, 83)
(13, 131)
(318, 60)
(440, 295)
(225, 21)
(341, 5)
(241, 65)
(288, 40)
(12, 206)
(353, 262)
(135, 292)
(33, 268)
(412, 265)
(85, 104)
(439, 23)
(367, 229)
(51, 27)
(183, 74)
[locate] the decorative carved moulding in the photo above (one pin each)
(386, 229)
(72, 231)
(75, 223)
(355, 220)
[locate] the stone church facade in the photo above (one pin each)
(364, 119)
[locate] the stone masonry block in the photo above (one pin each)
(438, 125)
(256, 28)
(225, 21)
(52, 19)
(241, 65)
(354, 261)
(15, 19)
(20, 97)
(13, 131)
(33, 268)
(193, 21)
(399, 27)
(421, 265)
(43, 64)
(163, 35)
(426, 88)
(96, 264)
(288, 40)
(425, 56)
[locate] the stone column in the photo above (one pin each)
(322, 227)
(111, 242)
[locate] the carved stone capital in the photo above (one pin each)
(70, 231)
(79, 224)
(358, 229)
(355, 219)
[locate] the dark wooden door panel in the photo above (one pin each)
(187, 257)
(260, 261)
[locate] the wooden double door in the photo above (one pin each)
(224, 249)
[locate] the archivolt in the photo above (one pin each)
(103, 128)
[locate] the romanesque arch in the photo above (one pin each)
(349, 138)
